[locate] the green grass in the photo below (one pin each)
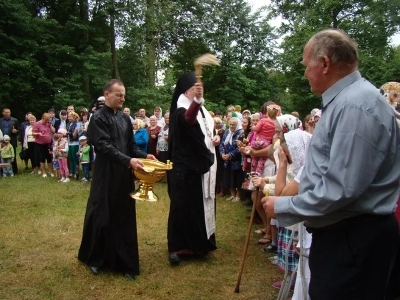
(40, 232)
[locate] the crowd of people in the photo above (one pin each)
(324, 186)
(56, 146)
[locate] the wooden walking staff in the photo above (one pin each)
(246, 244)
(204, 60)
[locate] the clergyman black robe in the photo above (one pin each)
(191, 159)
(109, 234)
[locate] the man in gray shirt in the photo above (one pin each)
(350, 183)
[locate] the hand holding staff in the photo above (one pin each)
(246, 244)
(204, 60)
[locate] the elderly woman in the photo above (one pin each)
(153, 130)
(228, 149)
(73, 129)
(162, 143)
(140, 134)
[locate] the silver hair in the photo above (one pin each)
(335, 44)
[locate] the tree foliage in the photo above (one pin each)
(371, 23)
(60, 52)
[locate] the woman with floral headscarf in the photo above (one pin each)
(228, 149)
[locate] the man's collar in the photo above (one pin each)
(338, 86)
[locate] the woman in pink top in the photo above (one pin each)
(43, 131)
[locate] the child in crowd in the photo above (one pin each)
(262, 135)
(54, 146)
(84, 157)
(7, 156)
(61, 154)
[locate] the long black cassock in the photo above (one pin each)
(109, 233)
(191, 159)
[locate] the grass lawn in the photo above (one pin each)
(40, 232)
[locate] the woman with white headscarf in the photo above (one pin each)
(233, 177)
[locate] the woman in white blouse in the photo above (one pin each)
(30, 146)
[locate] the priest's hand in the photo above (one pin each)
(198, 90)
(137, 165)
(268, 205)
(216, 140)
(151, 156)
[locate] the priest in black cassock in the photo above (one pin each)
(109, 238)
(191, 182)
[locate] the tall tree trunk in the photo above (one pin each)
(84, 16)
(114, 58)
(150, 43)
(335, 21)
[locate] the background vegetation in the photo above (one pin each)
(59, 52)
(41, 230)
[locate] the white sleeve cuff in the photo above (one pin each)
(199, 101)
(271, 179)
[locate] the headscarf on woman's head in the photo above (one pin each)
(297, 142)
(318, 113)
(288, 122)
(158, 108)
(230, 133)
(140, 123)
(313, 111)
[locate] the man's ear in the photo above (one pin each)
(326, 63)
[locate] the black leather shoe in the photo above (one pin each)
(95, 270)
(174, 259)
(130, 276)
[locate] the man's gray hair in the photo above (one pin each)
(336, 45)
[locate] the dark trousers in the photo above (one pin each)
(85, 170)
(393, 290)
(353, 261)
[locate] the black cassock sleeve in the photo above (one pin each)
(118, 146)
